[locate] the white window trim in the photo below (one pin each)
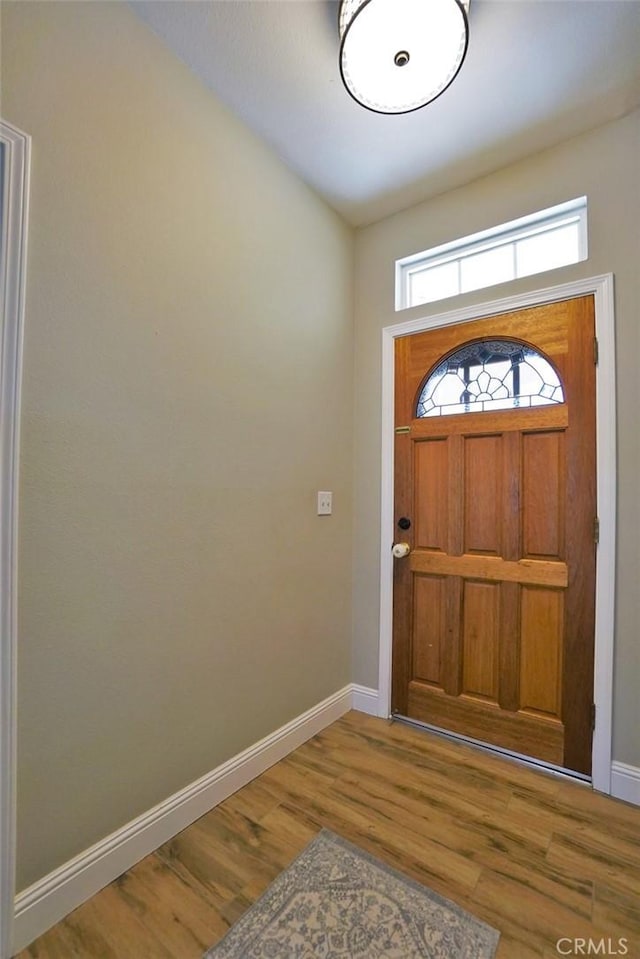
(563, 214)
(602, 289)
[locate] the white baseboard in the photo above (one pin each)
(365, 699)
(625, 782)
(52, 898)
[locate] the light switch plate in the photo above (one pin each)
(325, 503)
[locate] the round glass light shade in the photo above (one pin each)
(398, 55)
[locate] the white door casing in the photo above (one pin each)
(602, 289)
(14, 200)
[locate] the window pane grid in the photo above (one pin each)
(548, 240)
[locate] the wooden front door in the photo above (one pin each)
(494, 604)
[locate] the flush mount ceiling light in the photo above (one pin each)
(398, 55)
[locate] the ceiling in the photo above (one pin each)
(536, 72)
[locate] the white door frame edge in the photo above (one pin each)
(16, 148)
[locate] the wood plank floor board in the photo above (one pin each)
(251, 852)
(471, 835)
(444, 790)
(466, 779)
(196, 867)
(540, 876)
(226, 852)
(152, 890)
(508, 948)
(494, 771)
(616, 909)
(534, 855)
(569, 818)
(236, 907)
(581, 797)
(120, 926)
(315, 756)
(64, 943)
(593, 861)
(292, 828)
(539, 914)
(253, 801)
(614, 841)
(352, 814)
(516, 940)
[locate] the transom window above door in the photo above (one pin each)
(488, 375)
(532, 244)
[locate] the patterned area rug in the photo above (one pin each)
(337, 902)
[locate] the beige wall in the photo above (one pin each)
(187, 390)
(603, 165)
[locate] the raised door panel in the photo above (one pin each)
(431, 484)
(482, 494)
(543, 494)
(542, 617)
(481, 640)
(429, 620)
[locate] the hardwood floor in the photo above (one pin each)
(535, 856)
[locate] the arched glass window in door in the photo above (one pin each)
(490, 375)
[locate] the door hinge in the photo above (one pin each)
(593, 717)
(402, 429)
(596, 530)
(596, 350)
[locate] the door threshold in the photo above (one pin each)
(538, 764)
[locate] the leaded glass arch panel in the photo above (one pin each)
(490, 375)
